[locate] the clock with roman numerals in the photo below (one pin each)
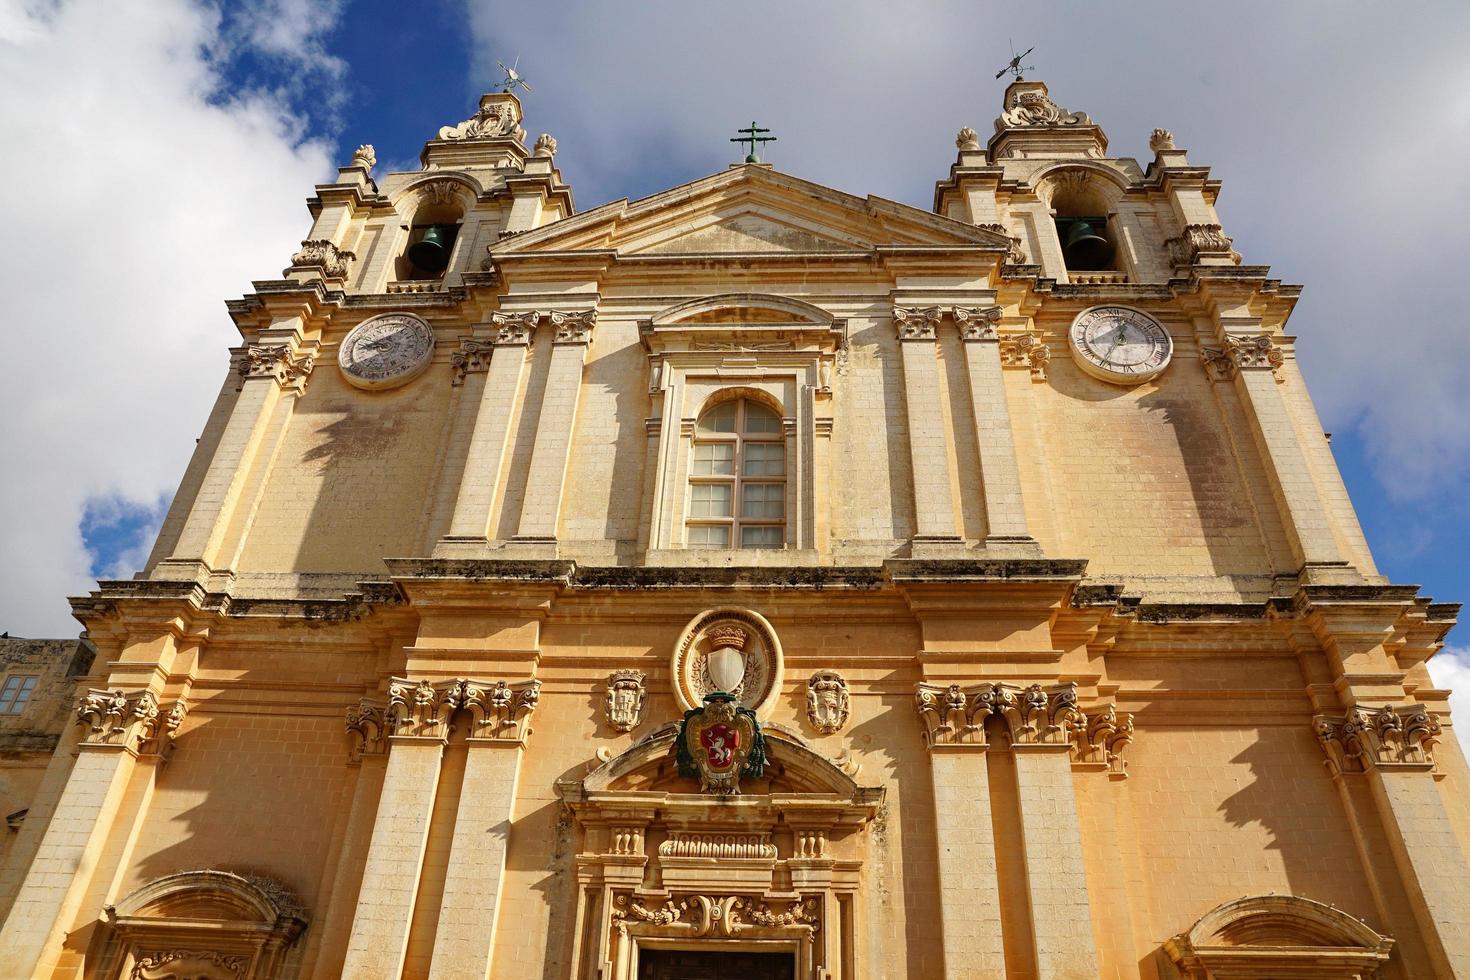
(1119, 344)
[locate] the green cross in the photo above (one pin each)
(753, 140)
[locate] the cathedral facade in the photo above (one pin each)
(760, 581)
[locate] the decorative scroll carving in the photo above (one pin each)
(1025, 351)
(967, 140)
(573, 328)
(1391, 737)
(916, 324)
(174, 963)
(423, 707)
(496, 117)
(826, 701)
(323, 254)
(501, 711)
(473, 357)
(978, 322)
(1197, 240)
(131, 721)
(1104, 738)
(441, 192)
(805, 913)
(289, 370)
(1243, 354)
(722, 916)
(1161, 139)
(367, 725)
(365, 157)
(1034, 715)
(626, 695)
(515, 328)
(1033, 107)
(545, 146)
(682, 844)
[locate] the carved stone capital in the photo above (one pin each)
(277, 361)
(473, 357)
(1392, 737)
(500, 710)
(1102, 741)
(1196, 240)
(918, 323)
(131, 721)
(978, 322)
(515, 328)
(367, 726)
(827, 702)
(422, 708)
(1025, 351)
(573, 328)
(1034, 715)
(1259, 353)
(626, 696)
(323, 254)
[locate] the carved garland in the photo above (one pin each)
(723, 916)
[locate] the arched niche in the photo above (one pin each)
(1077, 192)
(775, 869)
(1269, 936)
(203, 925)
(438, 200)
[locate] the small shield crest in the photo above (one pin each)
(720, 744)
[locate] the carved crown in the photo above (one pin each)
(728, 635)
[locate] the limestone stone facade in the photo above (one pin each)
(1011, 522)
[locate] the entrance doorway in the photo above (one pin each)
(674, 964)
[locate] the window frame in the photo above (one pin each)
(737, 479)
(15, 700)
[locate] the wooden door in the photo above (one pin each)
(682, 965)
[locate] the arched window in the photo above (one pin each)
(737, 479)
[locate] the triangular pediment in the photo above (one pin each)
(749, 210)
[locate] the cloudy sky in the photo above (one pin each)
(159, 152)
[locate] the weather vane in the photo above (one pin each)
(1014, 66)
(513, 78)
(753, 140)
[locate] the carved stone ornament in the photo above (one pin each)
(720, 744)
(515, 328)
(1243, 354)
(1161, 139)
(626, 695)
(1391, 737)
(979, 322)
(917, 324)
(1197, 240)
(1107, 734)
(367, 727)
(473, 357)
(1016, 255)
(573, 328)
(497, 116)
(171, 964)
(1034, 715)
(967, 140)
(130, 721)
(323, 254)
(277, 361)
(726, 916)
(365, 157)
(1025, 351)
(441, 192)
(497, 709)
(728, 649)
(1029, 105)
(827, 702)
(545, 146)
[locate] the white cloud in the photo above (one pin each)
(143, 193)
(1451, 668)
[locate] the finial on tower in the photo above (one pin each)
(753, 140)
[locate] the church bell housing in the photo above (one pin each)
(756, 580)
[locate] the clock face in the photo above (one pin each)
(386, 350)
(1120, 344)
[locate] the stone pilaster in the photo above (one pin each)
(934, 510)
(549, 456)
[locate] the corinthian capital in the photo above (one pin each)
(1259, 353)
(1026, 351)
(573, 328)
(131, 721)
(1391, 737)
(1034, 715)
(422, 708)
(473, 357)
(515, 328)
(978, 322)
(323, 254)
(921, 323)
(278, 362)
(367, 726)
(500, 710)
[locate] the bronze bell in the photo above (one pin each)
(431, 253)
(1085, 248)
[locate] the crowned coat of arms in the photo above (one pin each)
(720, 744)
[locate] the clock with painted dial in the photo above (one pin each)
(386, 351)
(1119, 344)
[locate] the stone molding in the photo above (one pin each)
(499, 711)
(917, 323)
(827, 701)
(978, 322)
(627, 695)
(1041, 714)
(473, 357)
(1025, 351)
(1278, 936)
(277, 361)
(130, 721)
(1243, 354)
(323, 254)
(573, 328)
(1393, 737)
(515, 328)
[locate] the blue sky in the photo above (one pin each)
(1323, 129)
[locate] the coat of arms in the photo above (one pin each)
(720, 744)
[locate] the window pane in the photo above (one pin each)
(761, 537)
(764, 459)
(763, 500)
(8, 693)
(721, 418)
(709, 536)
(714, 459)
(760, 420)
(710, 500)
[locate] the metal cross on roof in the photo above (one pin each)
(753, 140)
(1014, 66)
